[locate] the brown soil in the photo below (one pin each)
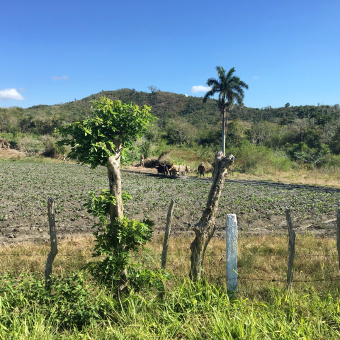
(36, 230)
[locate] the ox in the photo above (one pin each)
(177, 170)
(163, 169)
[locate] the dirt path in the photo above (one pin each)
(153, 172)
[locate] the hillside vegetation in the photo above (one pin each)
(264, 140)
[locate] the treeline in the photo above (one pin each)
(307, 134)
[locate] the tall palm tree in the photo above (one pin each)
(230, 90)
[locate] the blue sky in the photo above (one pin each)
(56, 51)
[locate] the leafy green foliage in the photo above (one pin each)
(116, 241)
(183, 120)
(67, 303)
(114, 126)
(310, 155)
(99, 206)
(78, 309)
(335, 142)
(228, 87)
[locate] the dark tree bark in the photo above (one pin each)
(205, 228)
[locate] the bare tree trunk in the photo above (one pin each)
(116, 210)
(205, 228)
(223, 130)
(115, 183)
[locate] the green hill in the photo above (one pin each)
(306, 134)
(43, 119)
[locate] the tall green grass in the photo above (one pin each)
(78, 308)
(188, 311)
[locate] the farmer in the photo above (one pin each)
(201, 169)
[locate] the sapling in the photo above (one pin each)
(100, 140)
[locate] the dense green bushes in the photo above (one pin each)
(251, 158)
(68, 304)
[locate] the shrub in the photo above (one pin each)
(253, 158)
(308, 155)
(249, 156)
(52, 149)
(30, 146)
(116, 241)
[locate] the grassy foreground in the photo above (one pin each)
(78, 308)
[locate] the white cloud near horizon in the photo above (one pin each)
(200, 88)
(60, 78)
(10, 94)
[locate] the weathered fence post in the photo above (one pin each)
(206, 226)
(231, 253)
(338, 234)
(167, 233)
(53, 238)
(291, 249)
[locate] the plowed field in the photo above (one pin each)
(26, 186)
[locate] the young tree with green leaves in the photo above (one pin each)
(230, 90)
(99, 140)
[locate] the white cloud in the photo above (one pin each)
(60, 78)
(200, 88)
(255, 77)
(10, 94)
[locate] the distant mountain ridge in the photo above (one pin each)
(165, 105)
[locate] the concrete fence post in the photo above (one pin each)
(231, 253)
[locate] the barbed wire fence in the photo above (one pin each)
(223, 257)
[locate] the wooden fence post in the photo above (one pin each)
(53, 238)
(291, 249)
(338, 234)
(167, 233)
(231, 252)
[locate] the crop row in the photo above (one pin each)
(25, 188)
